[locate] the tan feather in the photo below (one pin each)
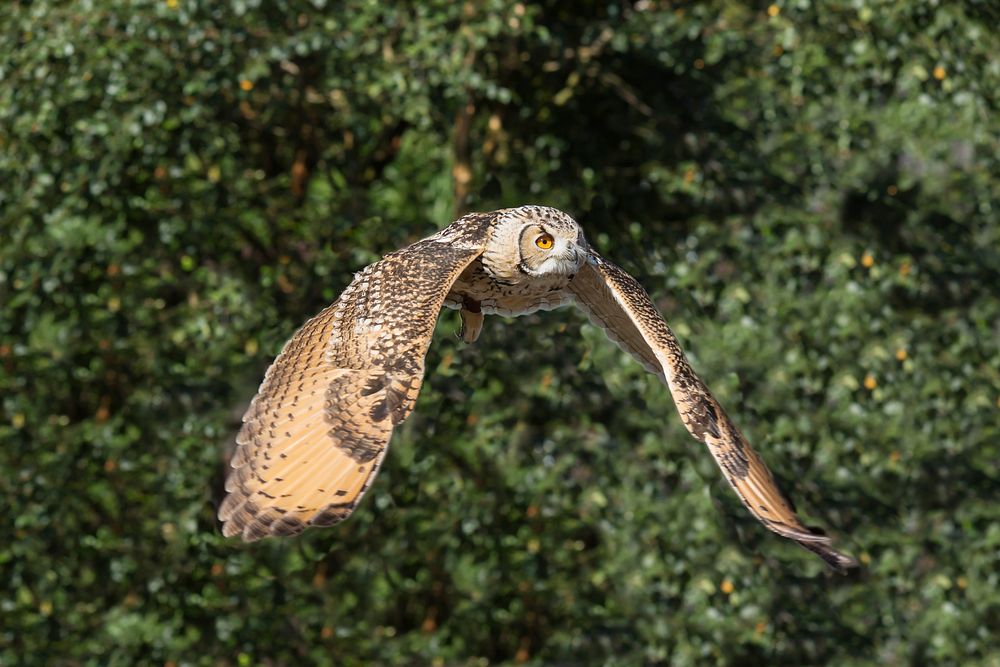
(616, 302)
(316, 433)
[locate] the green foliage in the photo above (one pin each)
(808, 190)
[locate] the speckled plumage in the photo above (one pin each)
(317, 431)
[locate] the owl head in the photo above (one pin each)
(535, 242)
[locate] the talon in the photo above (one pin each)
(472, 320)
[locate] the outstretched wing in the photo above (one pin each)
(317, 431)
(616, 302)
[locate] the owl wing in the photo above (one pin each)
(617, 303)
(317, 430)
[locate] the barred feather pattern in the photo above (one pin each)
(317, 431)
(617, 303)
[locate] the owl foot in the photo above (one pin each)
(472, 320)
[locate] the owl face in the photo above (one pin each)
(548, 243)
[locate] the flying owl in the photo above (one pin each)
(318, 429)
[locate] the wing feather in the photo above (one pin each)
(318, 429)
(617, 303)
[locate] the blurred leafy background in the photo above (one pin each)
(809, 191)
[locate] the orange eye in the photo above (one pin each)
(544, 241)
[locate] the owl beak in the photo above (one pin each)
(575, 258)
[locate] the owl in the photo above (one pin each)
(318, 429)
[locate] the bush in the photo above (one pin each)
(809, 193)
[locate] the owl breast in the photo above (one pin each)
(508, 298)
